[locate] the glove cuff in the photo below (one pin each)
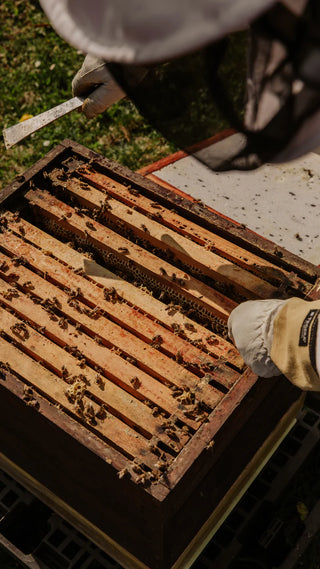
(296, 342)
(251, 327)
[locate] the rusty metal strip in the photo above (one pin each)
(133, 256)
(182, 154)
(168, 239)
(137, 297)
(208, 239)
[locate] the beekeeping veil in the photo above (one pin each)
(195, 73)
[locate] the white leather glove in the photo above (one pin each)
(250, 327)
(94, 80)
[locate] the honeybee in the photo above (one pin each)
(136, 383)
(101, 413)
(100, 381)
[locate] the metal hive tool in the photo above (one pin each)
(114, 298)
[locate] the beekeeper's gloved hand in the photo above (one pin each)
(95, 81)
(250, 327)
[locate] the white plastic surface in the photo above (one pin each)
(279, 202)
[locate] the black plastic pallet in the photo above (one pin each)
(41, 539)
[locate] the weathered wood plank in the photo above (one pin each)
(164, 238)
(194, 479)
(133, 256)
(115, 367)
(118, 401)
(112, 335)
(49, 384)
(137, 297)
(225, 248)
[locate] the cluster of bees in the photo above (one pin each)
(185, 396)
(156, 341)
(75, 394)
(29, 398)
(10, 293)
(5, 366)
(196, 409)
(112, 295)
(50, 304)
(77, 385)
(146, 476)
(20, 329)
(151, 284)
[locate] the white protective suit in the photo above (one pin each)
(273, 336)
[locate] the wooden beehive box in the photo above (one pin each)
(123, 404)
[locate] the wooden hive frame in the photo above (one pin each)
(123, 404)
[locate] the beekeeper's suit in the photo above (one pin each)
(129, 41)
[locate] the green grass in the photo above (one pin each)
(36, 69)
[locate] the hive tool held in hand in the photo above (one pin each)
(19, 131)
